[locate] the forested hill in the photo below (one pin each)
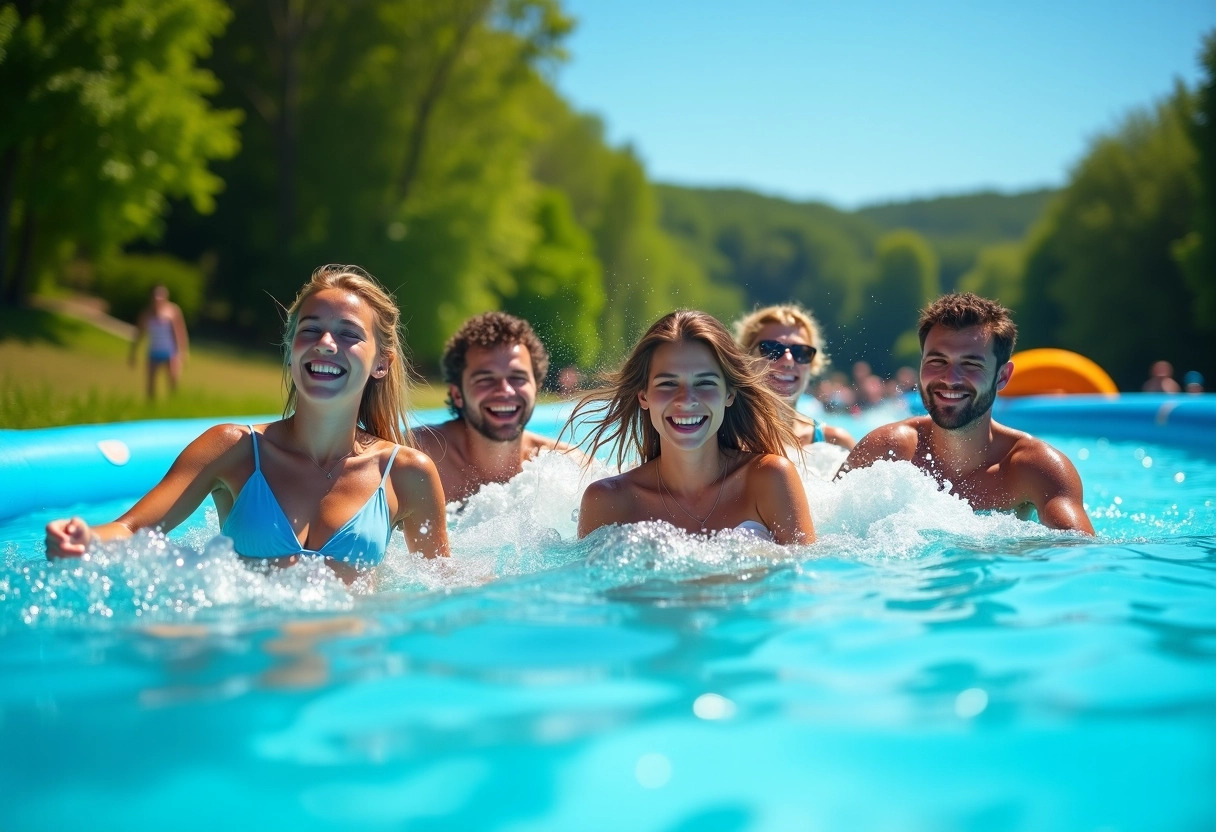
(987, 215)
(721, 223)
(859, 271)
(466, 182)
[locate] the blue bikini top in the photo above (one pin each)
(259, 528)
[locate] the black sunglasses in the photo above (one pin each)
(773, 350)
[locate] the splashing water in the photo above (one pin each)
(666, 680)
(528, 525)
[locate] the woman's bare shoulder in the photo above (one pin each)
(768, 465)
(411, 463)
(217, 441)
(610, 485)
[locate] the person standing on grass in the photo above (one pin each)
(334, 476)
(162, 323)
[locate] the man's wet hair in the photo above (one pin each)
(959, 310)
(488, 330)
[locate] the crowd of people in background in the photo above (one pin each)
(840, 393)
(1161, 380)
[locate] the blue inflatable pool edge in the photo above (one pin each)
(46, 468)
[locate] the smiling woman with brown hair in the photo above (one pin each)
(708, 432)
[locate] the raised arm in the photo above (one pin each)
(420, 509)
(193, 476)
(179, 330)
(895, 441)
(141, 329)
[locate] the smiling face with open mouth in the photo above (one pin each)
(686, 395)
(497, 391)
(333, 351)
(959, 376)
(786, 377)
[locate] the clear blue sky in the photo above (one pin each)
(858, 101)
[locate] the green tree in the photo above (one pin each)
(776, 251)
(907, 280)
(1103, 262)
(106, 116)
(997, 274)
(559, 289)
(390, 133)
(646, 270)
(1196, 253)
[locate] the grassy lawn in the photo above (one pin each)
(58, 370)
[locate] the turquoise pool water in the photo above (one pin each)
(921, 668)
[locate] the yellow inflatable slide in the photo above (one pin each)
(1051, 371)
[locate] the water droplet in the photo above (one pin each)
(1179, 477)
(713, 706)
(1083, 453)
(652, 771)
(971, 703)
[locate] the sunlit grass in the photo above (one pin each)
(57, 370)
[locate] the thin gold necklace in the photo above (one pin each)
(329, 475)
(701, 521)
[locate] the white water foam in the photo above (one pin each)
(523, 527)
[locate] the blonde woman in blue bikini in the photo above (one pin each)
(334, 476)
(710, 436)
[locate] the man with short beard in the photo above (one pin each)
(965, 344)
(493, 366)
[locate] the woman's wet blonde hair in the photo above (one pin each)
(747, 330)
(754, 422)
(383, 410)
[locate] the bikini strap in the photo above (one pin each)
(257, 463)
(389, 467)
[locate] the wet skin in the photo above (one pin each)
(333, 355)
(705, 486)
(496, 397)
(990, 465)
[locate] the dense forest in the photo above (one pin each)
(228, 148)
(865, 274)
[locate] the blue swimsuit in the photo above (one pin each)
(259, 528)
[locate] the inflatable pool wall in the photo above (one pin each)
(49, 468)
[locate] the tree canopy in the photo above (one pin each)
(107, 115)
(1103, 261)
(427, 143)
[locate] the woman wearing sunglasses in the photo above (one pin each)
(786, 337)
